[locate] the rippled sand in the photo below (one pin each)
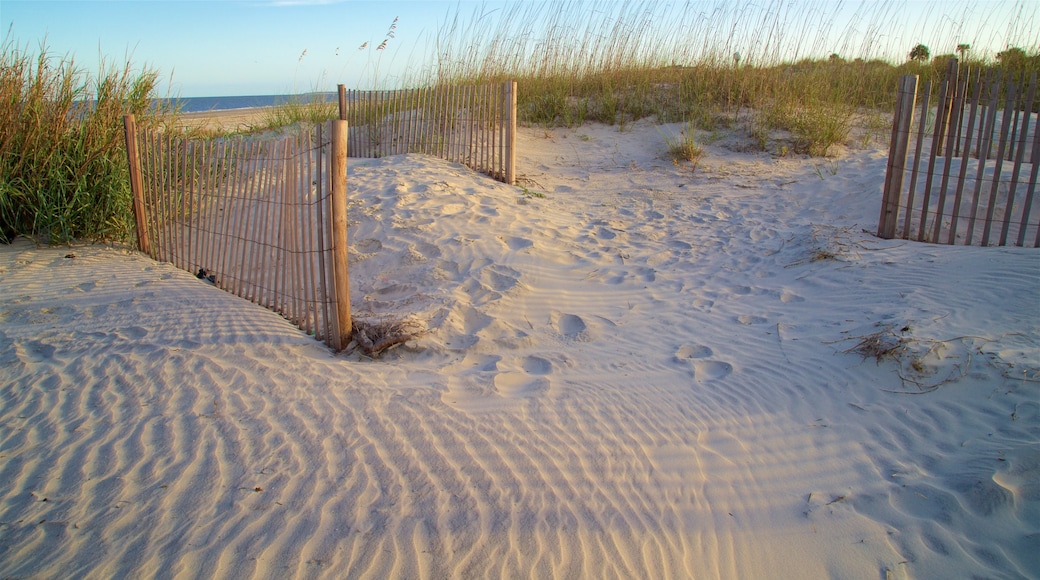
(629, 370)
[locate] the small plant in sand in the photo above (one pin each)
(684, 148)
(530, 194)
(917, 360)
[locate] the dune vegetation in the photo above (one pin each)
(62, 165)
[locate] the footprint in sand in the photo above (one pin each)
(532, 381)
(368, 246)
(711, 369)
(787, 297)
(570, 326)
(537, 365)
(696, 357)
(692, 351)
(747, 319)
(499, 278)
(515, 243)
(520, 384)
(132, 333)
(393, 291)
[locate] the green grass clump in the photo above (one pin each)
(63, 167)
(684, 148)
(299, 109)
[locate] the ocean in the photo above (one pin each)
(202, 104)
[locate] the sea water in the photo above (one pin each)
(202, 104)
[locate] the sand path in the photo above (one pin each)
(641, 374)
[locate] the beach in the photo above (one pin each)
(221, 120)
(624, 367)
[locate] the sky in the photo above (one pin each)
(262, 47)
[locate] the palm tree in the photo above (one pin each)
(920, 53)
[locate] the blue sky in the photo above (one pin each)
(249, 47)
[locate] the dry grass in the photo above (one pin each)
(923, 365)
(375, 337)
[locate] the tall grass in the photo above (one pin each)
(710, 64)
(63, 166)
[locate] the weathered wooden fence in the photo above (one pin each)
(264, 219)
(471, 125)
(971, 178)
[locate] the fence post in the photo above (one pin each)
(341, 282)
(897, 152)
(130, 130)
(342, 90)
(510, 144)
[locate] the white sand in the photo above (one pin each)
(648, 373)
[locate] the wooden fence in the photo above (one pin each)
(262, 219)
(971, 177)
(471, 125)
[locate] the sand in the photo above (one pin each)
(219, 121)
(628, 370)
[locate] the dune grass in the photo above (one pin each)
(733, 65)
(726, 65)
(63, 166)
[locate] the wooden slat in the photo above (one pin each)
(942, 121)
(964, 80)
(305, 243)
(918, 150)
(1031, 189)
(212, 217)
(250, 259)
(958, 105)
(146, 141)
(265, 281)
(1019, 159)
(965, 158)
(898, 146)
(1005, 126)
(291, 204)
(937, 140)
(203, 211)
(983, 154)
(510, 128)
(320, 228)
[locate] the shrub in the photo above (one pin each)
(63, 166)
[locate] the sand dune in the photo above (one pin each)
(627, 370)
